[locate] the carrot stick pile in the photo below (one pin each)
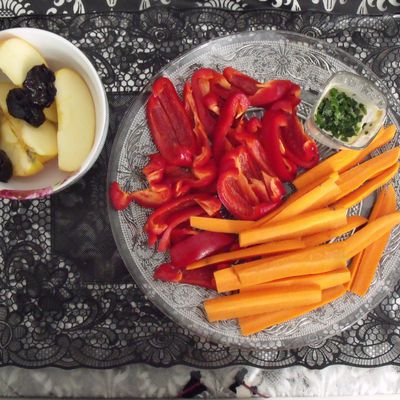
(286, 265)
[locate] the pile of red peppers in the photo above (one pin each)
(210, 153)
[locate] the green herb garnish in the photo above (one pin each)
(340, 114)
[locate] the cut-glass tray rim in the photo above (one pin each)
(114, 219)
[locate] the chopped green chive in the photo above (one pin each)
(340, 114)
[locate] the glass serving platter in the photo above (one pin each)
(263, 55)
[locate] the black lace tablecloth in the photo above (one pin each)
(66, 298)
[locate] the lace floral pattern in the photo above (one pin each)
(79, 308)
(10, 8)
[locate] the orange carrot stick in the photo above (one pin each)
(353, 268)
(319, 197)
(324, 281)
(324, 168)
(313, 260)
(381, 206)
(327, 189)
(344, 160)
(370, 233)
(253, 303)
(373, 253)
(353, 222)
(385, 135)
(375, 212)
(369, 187)
(254, 251)
(219, 224)
(304, 224)
(356, 176)
(257, 323)
(226, 280)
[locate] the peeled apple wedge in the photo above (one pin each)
(76, 120)
(17, 57)
(41, 140)
(24, 163)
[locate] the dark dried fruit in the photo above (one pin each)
(39, 83)
(20, 106)
(6, 169)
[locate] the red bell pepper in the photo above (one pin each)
(270, 92)
(300, 148)
(203, 277)
(170, 125)
(273, 123)
(181, 233)
(148, 198)
(179, 180)
(155, 169)
(258, 155)
(195, 248)
(222, 89)
(204, 153)
(213, 103)
(234, 108)
(203, 170)
(176, 219)
(243, 189)
(162, 217)
(253, 125)
(201, 177)
(201, 87)
(289, 101)
(241, 81)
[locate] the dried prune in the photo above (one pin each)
(20, 106)
(39, 83)
(6, 169)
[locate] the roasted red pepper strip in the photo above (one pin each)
(159, 220)
(195, 248)
(273, 123)
(170, 125)
(203, 277)
(148, 198)
(270, 92)
(242, 188)
(242, 81)
(234, 107)
(176, 219)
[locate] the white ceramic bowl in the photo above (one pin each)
(58, 52)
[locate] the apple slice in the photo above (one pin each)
(5, 87)
(76, 120)
(17, 57)
(41, 140)
(51, 112)
(24, 163)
